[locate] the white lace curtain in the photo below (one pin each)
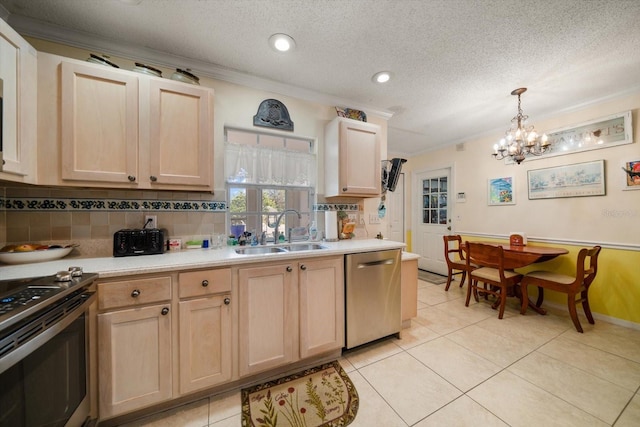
(254, 164)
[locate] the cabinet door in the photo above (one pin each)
(134, 358)
(360, 166)
(268, 326)
(18, 105)
(321, 306)
(99, 124)
(180, 134)
(205, 342)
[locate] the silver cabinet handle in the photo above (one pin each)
(153, 178)
(205, 283)
(303, 267)
(135, 293)
(131, 178)
(227, 301)
(165, 311)
(289, 269)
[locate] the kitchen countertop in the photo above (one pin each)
(187, 259)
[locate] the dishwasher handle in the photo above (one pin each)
(388, 261)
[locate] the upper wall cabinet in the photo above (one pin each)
(352, 158)
(18, 98)
(127, 130)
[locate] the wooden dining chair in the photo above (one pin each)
(576, 287)
(490, 260)
(454, 256)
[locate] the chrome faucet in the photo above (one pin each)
(276, 233)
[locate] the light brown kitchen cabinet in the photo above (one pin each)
(18, 91)
(352, 158)
(268, 316)
(289, 311)
(134, 344)
(321, 305)
(124, 129)
(205, 337)
(409, 285)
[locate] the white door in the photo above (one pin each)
(395, 212)
(431, 218)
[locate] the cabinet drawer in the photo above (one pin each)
(204, 282)
(133, 292)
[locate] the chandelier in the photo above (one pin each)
(520, 140)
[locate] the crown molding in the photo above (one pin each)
(41, 30)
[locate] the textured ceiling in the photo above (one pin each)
(454, 62)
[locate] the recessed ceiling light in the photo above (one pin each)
(282, 42)
(381, 77)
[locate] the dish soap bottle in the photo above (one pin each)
(313, 232)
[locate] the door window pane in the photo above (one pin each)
(435, 204)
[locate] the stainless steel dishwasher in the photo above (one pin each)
(372, 288)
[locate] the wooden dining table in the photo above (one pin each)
(522, 256)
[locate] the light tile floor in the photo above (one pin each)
(462, 366)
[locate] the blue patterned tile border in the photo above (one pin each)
(59, 204)
(320, 207)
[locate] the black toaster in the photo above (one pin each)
(140, 241)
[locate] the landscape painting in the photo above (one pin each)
(577, 180)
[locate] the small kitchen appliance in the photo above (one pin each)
(139, 241)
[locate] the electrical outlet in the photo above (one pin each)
(353, 217)
(150, 221)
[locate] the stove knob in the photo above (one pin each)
(63, 276)
(75, 271)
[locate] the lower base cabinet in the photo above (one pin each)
(289, 311)
(267, 315)
(134, 358)
(205, 329)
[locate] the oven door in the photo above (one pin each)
(44, 378)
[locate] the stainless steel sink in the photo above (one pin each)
(256, 250)
(304, 247)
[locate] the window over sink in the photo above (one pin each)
(266, 174)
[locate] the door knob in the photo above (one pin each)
(449, 228)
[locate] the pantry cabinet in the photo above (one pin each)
(18, 99)
(134, 344)
(352, 158)
(289, 311)
(124, 129)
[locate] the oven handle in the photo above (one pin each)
(39, 340)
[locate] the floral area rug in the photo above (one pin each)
(322, 396)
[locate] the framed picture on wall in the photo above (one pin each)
(577, 180)
(501, 191)
(631, 175)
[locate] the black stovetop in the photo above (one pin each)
(21, 298)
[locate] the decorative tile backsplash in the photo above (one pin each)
(105, 205)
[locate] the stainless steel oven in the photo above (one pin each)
(44, 350)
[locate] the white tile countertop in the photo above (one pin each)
(186, 259)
